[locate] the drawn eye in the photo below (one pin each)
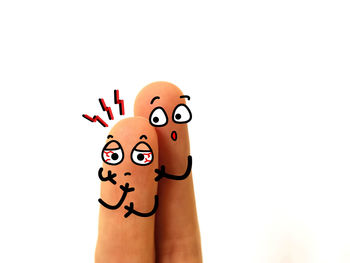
(158, 117)
(112, 153)
(182, 114)
(142, 154)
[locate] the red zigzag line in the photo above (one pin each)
(105, 108)
(118, 101)
(94, 119)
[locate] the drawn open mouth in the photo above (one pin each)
(174, 135)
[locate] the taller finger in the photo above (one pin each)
(177, 230)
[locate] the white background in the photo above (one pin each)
(269, 84)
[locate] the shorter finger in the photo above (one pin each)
(130, 157)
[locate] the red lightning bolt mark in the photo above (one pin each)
(118, 101)
(105, 108)
(94, 119)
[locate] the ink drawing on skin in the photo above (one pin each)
(113, 155)
(141, 154)
(168, 121)
(146, 185)
(167, 109)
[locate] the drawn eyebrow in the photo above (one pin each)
(109, 136)
(143, 136)
(156, 97)
(185, 96)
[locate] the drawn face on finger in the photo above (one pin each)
(129, 149)
(141, 154)
(165, 107)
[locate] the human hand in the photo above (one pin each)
(151, 216)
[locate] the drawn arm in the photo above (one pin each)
(131, 210)
(126, 190)
(110, 176)
(161, 173)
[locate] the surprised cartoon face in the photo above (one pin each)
(159, 118)
(164, 105)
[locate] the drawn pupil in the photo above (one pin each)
(115, 156)
(155, 119)
(178, 116)
(140, 157)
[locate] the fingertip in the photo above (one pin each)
(166, 91)
(127, 125)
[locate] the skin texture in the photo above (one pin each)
(177, 230)
(131, 239)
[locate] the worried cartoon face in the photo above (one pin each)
(128, 168)
(128, 150)
(141, 154)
